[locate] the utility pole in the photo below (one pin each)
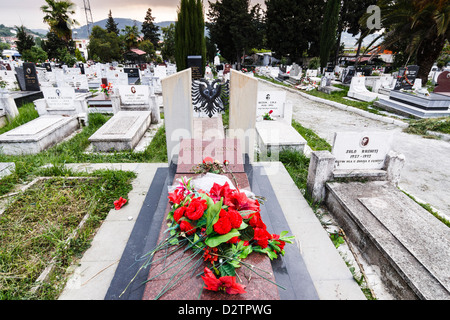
(89, 20)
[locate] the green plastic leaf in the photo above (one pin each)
(212, 214)
(247, 233)
(217, 240)
(227, 270)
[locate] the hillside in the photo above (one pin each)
(122, 22)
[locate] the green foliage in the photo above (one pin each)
(130, 37)
(53, 46)
(150, 30)
(35, 54)
(104, 45)
(57, 16)
(147, 46)
(235, 28)
(24, 40)
(293, 27)
(328, 31)
(111, 25)
(168, 47)
(189, 33)
(422, 126)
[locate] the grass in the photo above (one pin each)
(73, 151)
(34, 230)
(422, 126)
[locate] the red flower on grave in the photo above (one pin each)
(217, 192)
(235, 218)
(226, 283)
(185, 226)
(179, 212)
(176, 197)
(262, 237)
(278, 242)
(239, 201)
(196, 208)
(207, 256)
(120, 203)
(223, 225)
(271, 111)
(208, 160)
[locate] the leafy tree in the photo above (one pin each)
(418, 28)
(111, 25)
(150, 30)
(24, 40)
(168, 46)
(104, 45)
(147, 46)
(234, 28)
(54, 43)
(293, 27)
(34, 54)
(130, 37)
(57, 16)
(189, 33)
(328, 37)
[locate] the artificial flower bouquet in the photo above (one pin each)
(268, 115)
(224, 226)
(106, 89)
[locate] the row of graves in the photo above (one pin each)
(66, 99)
(408, 246)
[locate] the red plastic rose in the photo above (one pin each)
(223, 225)
(262, 237)
(235, 218)
(179, 212)
(227, 283)
(278, 242)
(119, 203)
(187, 227)
(196, 209)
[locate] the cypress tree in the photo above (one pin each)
(111, 25)
(328, 36)
(190, 33)
(149, 29)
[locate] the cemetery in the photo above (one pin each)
(188, 179)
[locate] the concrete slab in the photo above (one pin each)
(38, 134)
(274, 136)
(390, 231)
(122, 132)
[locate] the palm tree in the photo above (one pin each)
(57, 16)
(419, 28)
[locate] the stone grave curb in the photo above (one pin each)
(343, 106)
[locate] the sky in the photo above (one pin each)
(29, 14)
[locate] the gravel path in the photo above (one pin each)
(426, 174)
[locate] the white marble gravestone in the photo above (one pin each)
(122, 132)
(37, 135)
(243, 100)
(361, 150)
(359, 91)
(178, 110)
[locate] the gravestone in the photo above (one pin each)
(133, 75)
(193, 151)
(195, 63)
(348, 75)
(30, 76)
(178, 111)
(270, 100)
(243, 100)
(37, 135)
(406, 77)
(443, 83)
(121, 132)
(359, 91)
(361, 150)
